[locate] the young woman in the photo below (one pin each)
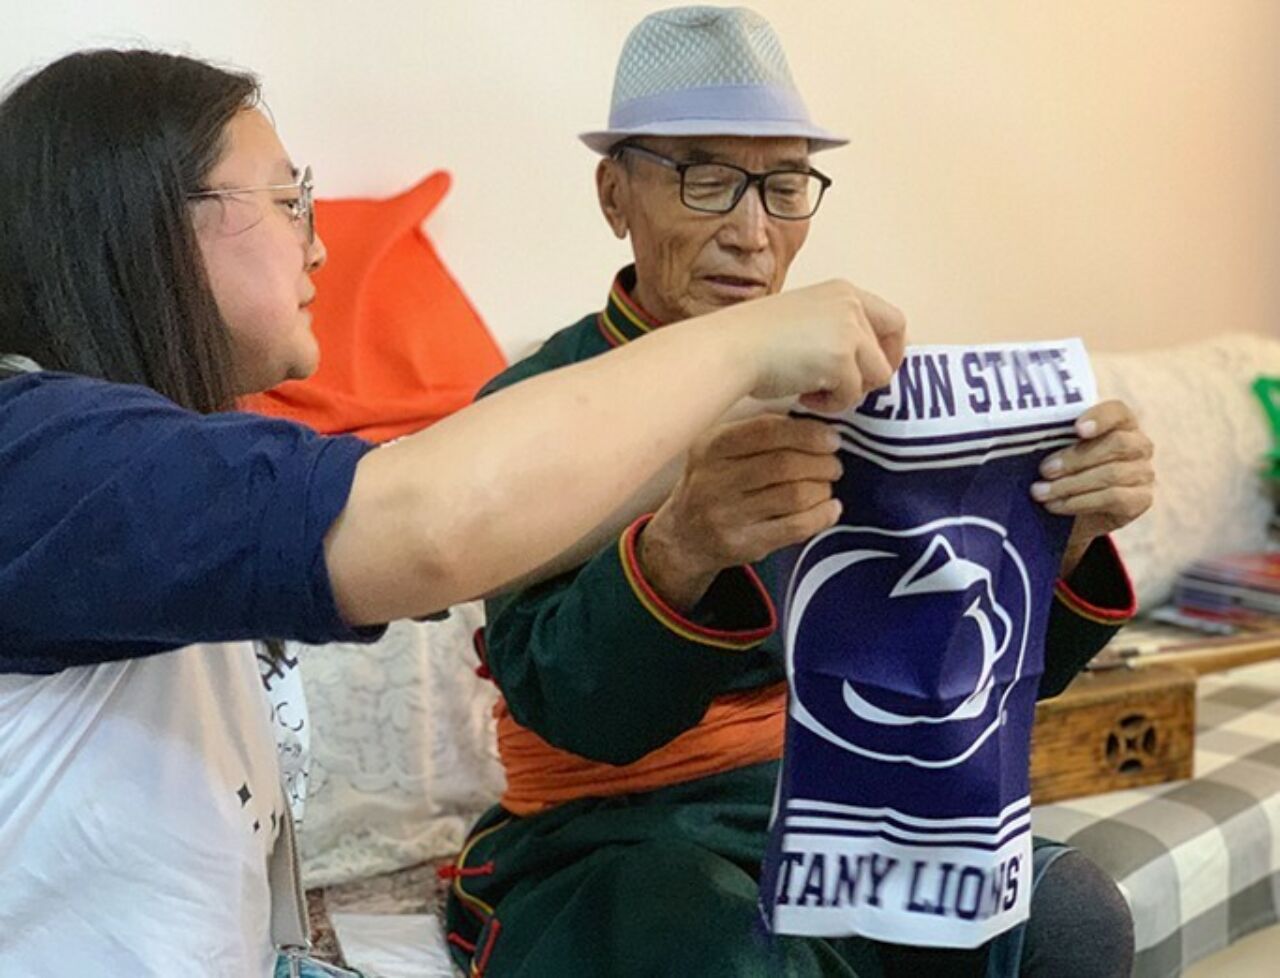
(156, 246)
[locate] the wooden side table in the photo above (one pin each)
(1130, 719)
(1115, 729)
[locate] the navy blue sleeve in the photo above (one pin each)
(130, 526)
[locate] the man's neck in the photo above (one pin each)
(649, 304)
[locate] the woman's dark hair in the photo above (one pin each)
(100, 270)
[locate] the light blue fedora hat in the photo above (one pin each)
(706, 71)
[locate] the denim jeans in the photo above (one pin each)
(1006, 950)
(311, 968)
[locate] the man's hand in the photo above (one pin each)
(748, 489)
(1105, 480)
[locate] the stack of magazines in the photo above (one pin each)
(1239, 588)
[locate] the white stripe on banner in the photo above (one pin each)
(796, 825)
(951, 463)
(970, 442)
(856, 811)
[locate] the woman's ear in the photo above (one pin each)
(612, 189)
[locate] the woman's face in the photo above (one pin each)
(257, 257)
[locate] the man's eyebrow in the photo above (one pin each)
(697, 155)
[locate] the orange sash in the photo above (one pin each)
(738, 729)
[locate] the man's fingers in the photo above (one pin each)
(1120, 444)
(765, 537)
(771, 433)
(1120, 504)
(1105, 417)
(744, 476)
(1094, 479)
(786, 499)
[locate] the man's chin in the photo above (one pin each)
(713, 300)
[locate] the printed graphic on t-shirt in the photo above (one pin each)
(256, 813)
(282, 680)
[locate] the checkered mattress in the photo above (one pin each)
(1199, 860)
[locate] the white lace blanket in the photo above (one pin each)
(403, 755)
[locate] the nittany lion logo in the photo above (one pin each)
(908, 641)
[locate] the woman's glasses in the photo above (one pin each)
(297, 198)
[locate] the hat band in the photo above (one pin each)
(731, 103)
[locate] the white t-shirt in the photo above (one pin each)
(139, 786)
(139, 801)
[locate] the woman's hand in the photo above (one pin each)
(832, 344)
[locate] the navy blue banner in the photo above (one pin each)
(914, 636)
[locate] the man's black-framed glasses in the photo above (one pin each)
(716, 188)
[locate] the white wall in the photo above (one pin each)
(1020, 168)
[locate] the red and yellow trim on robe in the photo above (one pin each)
(623, 319)
(1117, 609)
(490, 926)
(460, 870)
(672, 620)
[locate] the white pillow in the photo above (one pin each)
(403, 754)
(1210, 434)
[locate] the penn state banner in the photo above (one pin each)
(914, 644)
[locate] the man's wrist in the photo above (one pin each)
(669, 572)
(1071, 559)
(1077, 547)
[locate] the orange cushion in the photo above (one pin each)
(400, 345)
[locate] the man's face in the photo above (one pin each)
(689, 262)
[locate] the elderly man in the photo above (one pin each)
(643, 690)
